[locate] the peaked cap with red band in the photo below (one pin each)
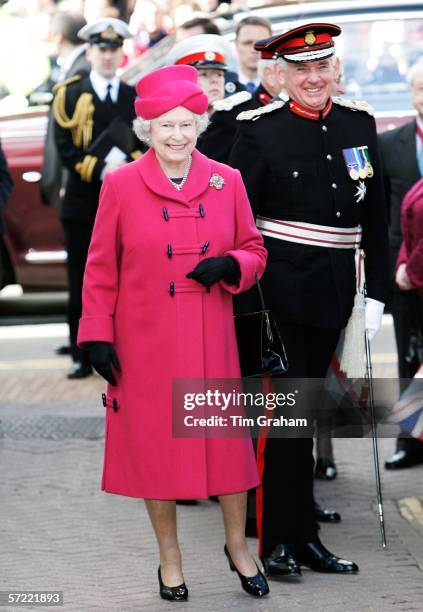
(169, 87)
(308, 43)
(204, 51)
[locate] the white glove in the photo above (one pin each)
(109, 167)
(374, 313)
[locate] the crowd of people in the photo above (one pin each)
(175, 196)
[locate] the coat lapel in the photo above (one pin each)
(157, 181)
(408, 152)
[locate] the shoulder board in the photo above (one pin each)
(354, 105)
(230, 102)
(66, 82)
(256, 113)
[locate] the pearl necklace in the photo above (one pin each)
(179, 186)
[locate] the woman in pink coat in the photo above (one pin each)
(409, 268)
(174, 239)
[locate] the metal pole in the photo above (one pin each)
(374, 440)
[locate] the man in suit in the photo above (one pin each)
(86, 109)
(402, 160)
(248, 31)
(311, 168)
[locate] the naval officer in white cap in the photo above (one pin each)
(86, 109)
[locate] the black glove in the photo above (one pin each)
(103, 357)
(214, 269)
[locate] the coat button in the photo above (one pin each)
(338, 214)
(334, 186)
(324, 128)
(329, 157)
(295, 174)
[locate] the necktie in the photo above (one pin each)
(108, 99)
(250, 86)
(420, 161)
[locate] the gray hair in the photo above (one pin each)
(262, 65)
(413, 72)
(283, 63)
(142, 127)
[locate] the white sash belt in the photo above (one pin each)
(309, 233)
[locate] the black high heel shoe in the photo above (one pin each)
(253, 585)
(177, 593)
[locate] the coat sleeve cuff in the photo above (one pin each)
(95, 329)
(249, 266)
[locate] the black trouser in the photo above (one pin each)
(77, 241)
(407, 312)
(288, 502)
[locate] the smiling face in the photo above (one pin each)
(311, 83)
(173, 137)
(212, 82)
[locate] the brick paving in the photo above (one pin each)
(59, 531)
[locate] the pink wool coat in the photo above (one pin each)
(411, 251)
(147, 237)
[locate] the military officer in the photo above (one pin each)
(93, 118)
(218, 140)
(210, 55)
(311, 168)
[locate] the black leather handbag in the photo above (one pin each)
(260, 347)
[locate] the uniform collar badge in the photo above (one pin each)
(216, 181)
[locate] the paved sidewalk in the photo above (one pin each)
(59, 531)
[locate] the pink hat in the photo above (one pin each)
(169, 87)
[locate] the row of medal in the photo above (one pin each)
(358, 163)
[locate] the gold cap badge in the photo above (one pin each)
(109, 34)
(309, 38)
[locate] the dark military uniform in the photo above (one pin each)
(294, 170)
(217, 141)
(80, 118)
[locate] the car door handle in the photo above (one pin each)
(32, 176)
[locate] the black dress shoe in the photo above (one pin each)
(281, 563)
(253, 585)
(325, 469)
(324, 515)
(79, 370)
(315, 556)
(403, 459)
(63, 350)
(177, 593)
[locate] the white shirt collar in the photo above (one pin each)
(243, 79)
(99, 84)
